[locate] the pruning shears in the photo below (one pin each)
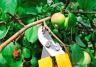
(51, 49)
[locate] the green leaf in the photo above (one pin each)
(26, 53)
(70, 21)
(18, 46)
(94, 62)
(25, 42)
(34, 62)
(57, 7)
(39, 9)
(31, 34)
(20, 10)
(77, 54)
(2, 59)
(3, 31)
(27, 10)
(31, 10)
(88, 37)
(56, 1)
(80, 65)
(79, 41)
(87, 5)
(8, 6)
(15, 63)
(8, 51)
(74, 5)
(4, 16)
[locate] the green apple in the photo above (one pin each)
(87, 58)
(58, 19)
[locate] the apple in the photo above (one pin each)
(58, 19)
(87, 58)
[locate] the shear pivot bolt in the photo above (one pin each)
(57, 48)
(48, 45)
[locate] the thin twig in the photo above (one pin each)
(64, 45)
(19, 36)
(81, 12)
(2, 22)
(22, 34)
(16, 19)
(21, 31)
(19, 21)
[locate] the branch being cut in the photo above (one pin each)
(62, 44)
(21, 31)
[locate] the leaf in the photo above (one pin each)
(88, 37)
(70, 21)
(94, 62)
(25, 42)
(49, 2)
(20, 10)
(8, 6)
(18, 46)
(31, 10)
(39, 9)
(15, 63)
(79, 41)
(74, 5)
(57, 6)
(80, 65)
(87, 5)
(8, 50)
(26, 53)
(77, 54)
(34, 62)
(2, 59)
(31, 34)
(3, 31)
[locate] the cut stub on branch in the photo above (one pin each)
(16, 54)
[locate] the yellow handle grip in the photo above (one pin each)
(63, 60)
(45, 62)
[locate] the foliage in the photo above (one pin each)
(80, 34)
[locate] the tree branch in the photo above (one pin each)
(2, 22)
(16, 19)
(21, 31)
(81, 12)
